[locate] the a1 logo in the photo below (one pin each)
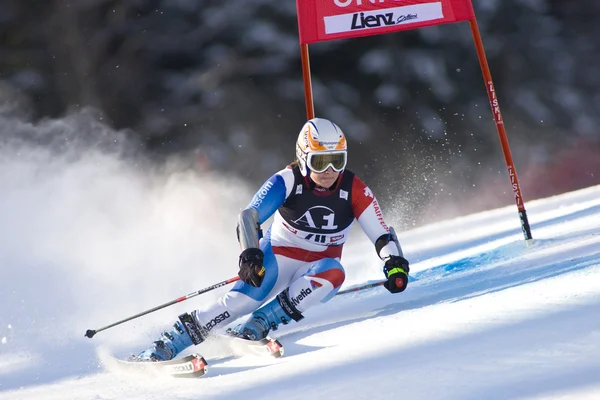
(318, 214)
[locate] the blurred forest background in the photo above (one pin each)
(220, 83)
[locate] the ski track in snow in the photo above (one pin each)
(484, 317)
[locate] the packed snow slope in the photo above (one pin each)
(485, 316)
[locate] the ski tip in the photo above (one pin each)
(274, 347)
(264, 347)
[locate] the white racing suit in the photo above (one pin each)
(302, 250)
(303, 246)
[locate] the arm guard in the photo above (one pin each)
(388, 244)
(248, 229)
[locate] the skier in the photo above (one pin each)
(296, 265)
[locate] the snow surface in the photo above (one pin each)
(485, 317)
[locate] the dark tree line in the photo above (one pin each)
(222, 81)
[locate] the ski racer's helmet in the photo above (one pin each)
(321, 144)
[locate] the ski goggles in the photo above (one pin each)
(319, 162)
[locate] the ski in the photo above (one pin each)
(191, 366)
(268, 347)
(194, 365)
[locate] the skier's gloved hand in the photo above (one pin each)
(396, 271)
(252, 270)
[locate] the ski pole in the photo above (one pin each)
(91, 332)
(358, 288)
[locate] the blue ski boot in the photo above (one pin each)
(185, 332)
(267, 317)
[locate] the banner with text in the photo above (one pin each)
(322, 20)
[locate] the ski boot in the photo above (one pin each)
(185, 333)
(265, 319)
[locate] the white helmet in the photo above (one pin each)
(321, 144)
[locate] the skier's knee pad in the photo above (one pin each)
(329, 269)
(318, 285)
(325, 272)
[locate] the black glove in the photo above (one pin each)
(252, 270)
(396, 271)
